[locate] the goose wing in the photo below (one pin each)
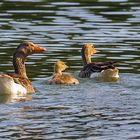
(95, 67)
(25, 82)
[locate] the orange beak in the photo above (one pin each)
(38, 49)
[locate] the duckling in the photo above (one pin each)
(91, 67)
(62, 78)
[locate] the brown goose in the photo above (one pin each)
(89, 67)
(62, 78)
(18, 82)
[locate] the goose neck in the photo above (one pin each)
(86, 59)
(18, 63)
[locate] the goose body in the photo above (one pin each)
(18, 82)
(90, 68)
(62, 78)
(9, 87)
(108, 75)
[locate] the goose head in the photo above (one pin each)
(27, 48)
(87, 51)
(22, 51)
(59, 66)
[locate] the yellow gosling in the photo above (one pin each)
(62, 78)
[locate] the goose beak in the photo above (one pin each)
(38, 49)
(95, 51)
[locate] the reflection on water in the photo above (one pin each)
(14, 98)
(92, 109)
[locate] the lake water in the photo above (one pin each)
(92, 110)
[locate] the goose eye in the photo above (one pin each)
(27, 45)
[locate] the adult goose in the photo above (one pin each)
(89, 68)
(62, 78)
(18, 82)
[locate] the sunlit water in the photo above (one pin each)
(93, 110)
